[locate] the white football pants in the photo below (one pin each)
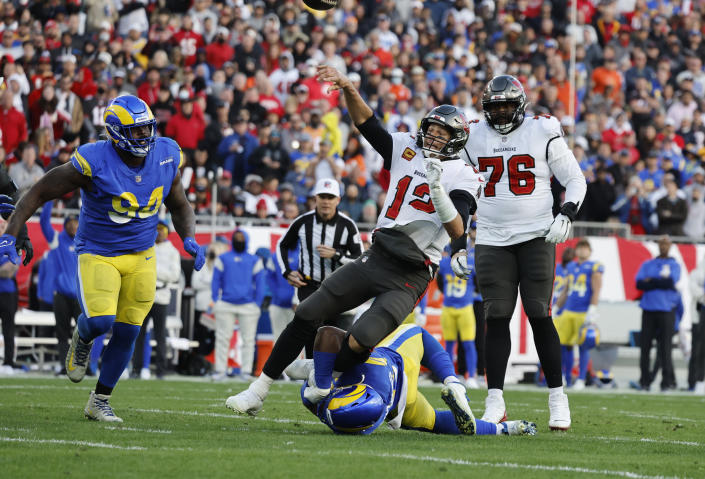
(279, 317)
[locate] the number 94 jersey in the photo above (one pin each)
(517, 202)
(408, 206)
(119, 208)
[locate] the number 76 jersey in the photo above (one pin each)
(119, 207)
(517, 202)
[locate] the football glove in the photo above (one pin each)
(591, 315)
(560, 228)
(197, 251)
(9, 249)
(441, 202)
(433, 171)
(459, 264)
(6, 205)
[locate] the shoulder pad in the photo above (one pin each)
(88, 158)
(550, 125)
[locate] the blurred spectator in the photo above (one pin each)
(185, 127)
(369, 212)
(652, 173)
(671, 210)
(27, 172)
(235, 149)
(351, 204)
(633, 208)
(325, 164)
(70, 105)
(599, 198)
(270, 158)
(13, 124)
(201, 196)
(45, 114)
(694, 225)
(219, 52)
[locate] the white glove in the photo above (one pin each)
(591, 315)
(560, 229)
(419, 317)
(459, 264)
(433, 171)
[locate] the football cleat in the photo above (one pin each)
(299, 369)
(471, 383)
(313, 393)
(125, 116)
(495, 411)
(453, 394)
(559, 412)
(246, 402)
(579, 385)
(519, 428)
(98, 408)
(77, 357)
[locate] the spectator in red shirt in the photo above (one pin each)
(185, 127)
(149, 90)
(219, 52)
(188, 40)
(13, 123)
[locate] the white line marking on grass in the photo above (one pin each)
(507, 465)
(34, 386)
(135, 429)
(646, 439)
(231, 416)
(15, 429)
(73, 443)
(652, 416)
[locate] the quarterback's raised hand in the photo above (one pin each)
(326, 73)
(9, 249)
(459, 264)
(434, 168)
(560, 228)
(6, 205)
(197, 251)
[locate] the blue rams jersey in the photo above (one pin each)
(580, 284)
(457, 292)
(560, 281)
(119, 208)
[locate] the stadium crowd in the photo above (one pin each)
(233, 83)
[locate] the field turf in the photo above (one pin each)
(181, 429)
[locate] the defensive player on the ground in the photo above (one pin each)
(579, 304)
(384, 388)
(516, 232)
(123, 182)
(458, 316)
(433, 193)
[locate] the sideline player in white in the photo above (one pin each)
(428, 202)
(517, 233)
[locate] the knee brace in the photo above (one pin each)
(91, 328)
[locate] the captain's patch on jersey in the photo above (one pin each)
(408, 154)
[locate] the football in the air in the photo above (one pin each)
(321, 4)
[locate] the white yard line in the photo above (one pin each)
(499, 465)
(135, 429)
(652, 416)
(72, 443)
(645, 439)
(229, 416)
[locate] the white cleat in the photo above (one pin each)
(579, 385)
(77, 357)
(145, 373)
(454, 395)
(246, 402)
(313, 393)
(299, 369)
(519, 428)
(699, 389)
(98, 408)
(471, 383)
(559, 412)
(495, 411)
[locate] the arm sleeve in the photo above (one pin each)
(45, 223)
(379, 138)
(565, 168)
(287, 242)
(434, 356)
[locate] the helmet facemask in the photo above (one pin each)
(503, 116)
(435, 145)
(136, 146)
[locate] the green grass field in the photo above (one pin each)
(182, 429)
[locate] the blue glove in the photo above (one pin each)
(197, 251)
(6, 204)
(7, 247)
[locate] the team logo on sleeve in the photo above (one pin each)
(408, 154)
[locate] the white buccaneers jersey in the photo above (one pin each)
(408, 205)
(516, 204)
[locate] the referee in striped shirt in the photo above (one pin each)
(327, 240)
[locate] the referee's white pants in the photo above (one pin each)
(279, 317)
(247, 316)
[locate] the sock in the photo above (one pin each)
(450, 349)
(261, 385)
(567, 353)
(347, 358)
(323, 366)
(91, 328)
(548, 349)
(484, 428)
(498, 345)
(583, 361)
(495, 392)
(445, 423)
(118, 353)
(289, 345)
(555, 391)
(96, 351)
(470, 357)
(101, 388)
(147, 351)
(502, 428)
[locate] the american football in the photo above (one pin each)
(321, 4)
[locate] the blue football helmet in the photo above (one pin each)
(355, 409)
(589, 336)
(122, 116)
